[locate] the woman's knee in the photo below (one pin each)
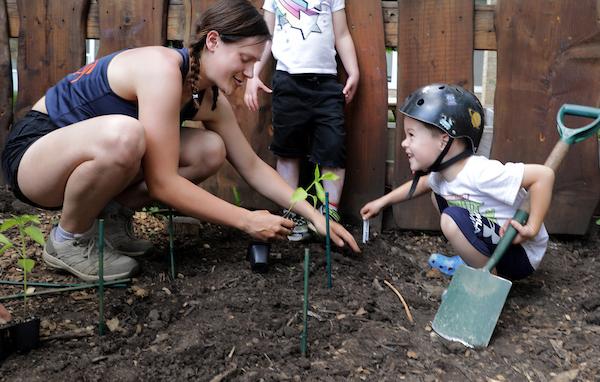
(124, 142)
(206, 153)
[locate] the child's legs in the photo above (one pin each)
(459, 242)
(82, 167)
(328, 141)
(289, 169)
(201, 155)
(475, 238)
(291, 125)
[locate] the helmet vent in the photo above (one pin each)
(441, 87)
(420, 102)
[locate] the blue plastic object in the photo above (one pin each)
(446, 265)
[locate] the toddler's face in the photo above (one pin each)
(422, 144)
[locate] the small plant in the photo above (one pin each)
(28, 230)
(302, 194)
(237, 200)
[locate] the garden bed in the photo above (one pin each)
(220, 321)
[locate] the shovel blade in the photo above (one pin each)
(471, 307)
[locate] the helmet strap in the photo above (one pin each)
(438, 165)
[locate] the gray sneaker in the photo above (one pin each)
(80, 257)
(118, 226)
(300, 231)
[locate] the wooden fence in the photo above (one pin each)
(547, 55)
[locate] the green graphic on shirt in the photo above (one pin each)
(473, 207)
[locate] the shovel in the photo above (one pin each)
(475, 297)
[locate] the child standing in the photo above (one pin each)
(308, 101)
(476, 196)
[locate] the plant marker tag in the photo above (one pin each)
(365, 233)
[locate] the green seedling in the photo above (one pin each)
(302, 194)
(237, 200)
(27, 226)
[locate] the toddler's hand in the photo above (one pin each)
(524, 232)
(251, 93)
(371, 209)
(350, 88)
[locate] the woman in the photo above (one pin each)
(111, 132)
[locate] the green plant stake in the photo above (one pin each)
(101, 276)
(28, 230)
(327, 242)
(171, 244)
(305, 305)
(67, 289)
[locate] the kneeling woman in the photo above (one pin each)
(108, 137)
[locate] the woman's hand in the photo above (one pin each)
(265, 226)
(251, 93)
(371, 209)
(338, 234)
(4, 315)
(524, 232)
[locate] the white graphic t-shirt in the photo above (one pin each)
(303, 38)
(493, 190)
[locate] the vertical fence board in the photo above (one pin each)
(549, 54)
(435, 44)
(366, 115)
(130, 24)
(51, 45)
(6, 85)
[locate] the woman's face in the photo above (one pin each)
(228, 65)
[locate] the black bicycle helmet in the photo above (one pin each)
(452, 109)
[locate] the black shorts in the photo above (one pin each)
(308, 118)
(22, 135)
(484, 234)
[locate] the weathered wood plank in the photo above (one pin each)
(6, 91)
(51, 44)
(366, 119)
(129, 24)
(435, 44)
(484, 33)
(549, 54)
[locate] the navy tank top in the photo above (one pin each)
(86, 94)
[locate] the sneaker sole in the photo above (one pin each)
(55, 263)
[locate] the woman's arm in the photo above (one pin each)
(258, 174)
(158, 89)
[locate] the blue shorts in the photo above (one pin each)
(483, 234)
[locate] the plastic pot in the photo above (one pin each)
(258, 255)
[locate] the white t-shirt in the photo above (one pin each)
(493, 190)
(303, 38)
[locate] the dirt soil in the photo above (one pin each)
(220, 321)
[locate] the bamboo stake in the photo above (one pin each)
(406, 309)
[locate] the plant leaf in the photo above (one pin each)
(314, 199)
(320, 192)
(35, 233)
(26, 264)
(8, 224)
(5, 243)
(317, 173)
(29, 219)
(299, 194)
(329, 176)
